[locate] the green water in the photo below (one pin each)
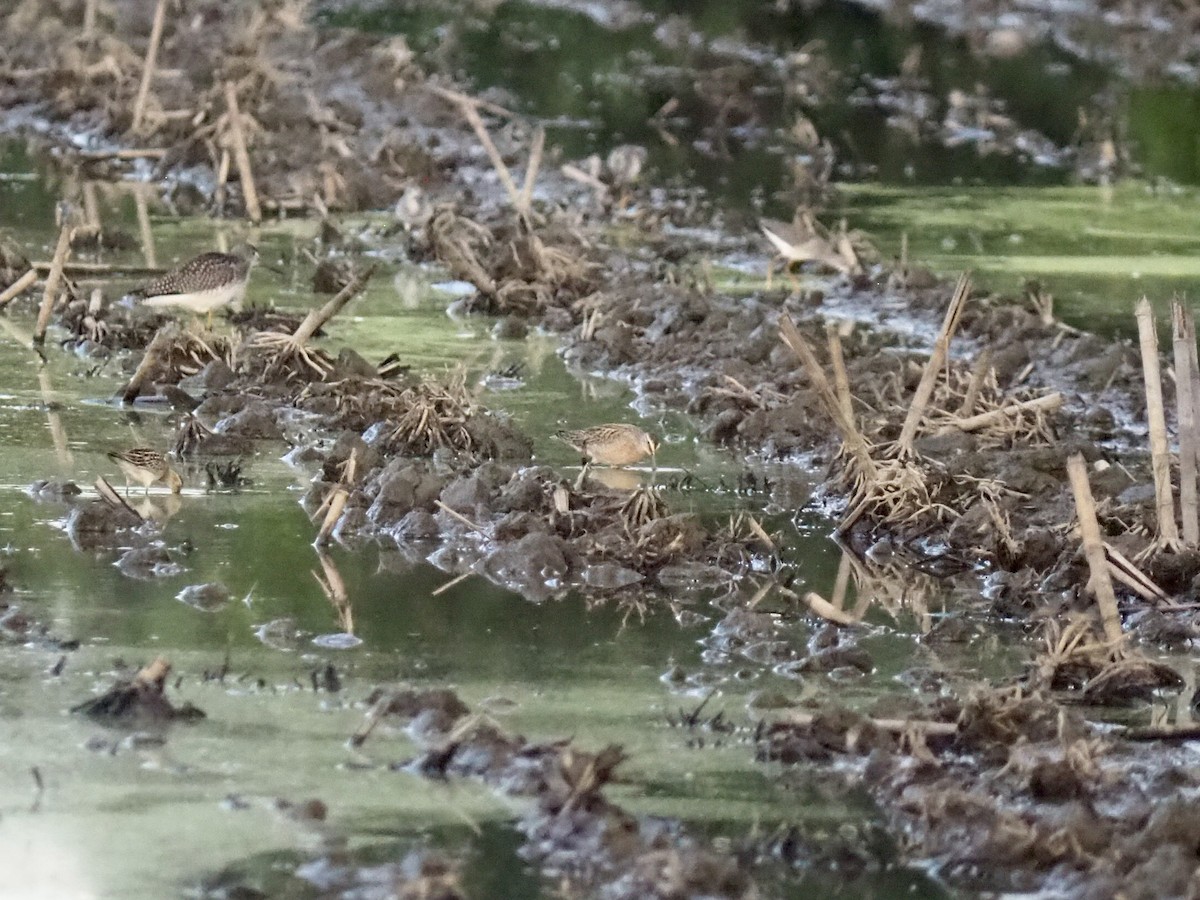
(123, 821)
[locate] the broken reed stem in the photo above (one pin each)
(467, 107)
(941, 350)
(54, 278)
(983, 365)
(853, 439)
(894, 726)
(841, 381)
(1048, 403)
(149, 65)
(89, 17)
(241, 155)
(158, 348)
(18, 287)
(318, 318)
(1093, 548)
(1160, 454)
(144, 230)
(1184, 339)
(531, 170)
(1134, 578)
(827, 610)
(94, 270)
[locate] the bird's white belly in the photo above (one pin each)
(200, 301)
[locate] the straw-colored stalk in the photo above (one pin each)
(1183, 331)
(1093, 548)
(1048, 403)
(157, 351)
(937, 360)
(18, 287)
(149, 65)
(145, 233)
(841, 381)
(241, 155)
(1160, 454)
(983, 366)
(54, 279)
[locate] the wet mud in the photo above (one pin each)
(945, 439)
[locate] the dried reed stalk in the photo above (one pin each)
(841, 381)
(468, 107)
(941, 350)
(148, 67)
(144, 231)
(157, 350)
(89, 17)
(852, 438)
(1134, 578)
(894, 726)
(531, 170)
(1093, 548)
(983, 366)
(319, 318)
(241, 154)
(61, 250)
(1160, 453)
(1048, 403)
(827, 610)
(1183, 332)
(18, 287)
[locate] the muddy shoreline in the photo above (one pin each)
(1013, 786)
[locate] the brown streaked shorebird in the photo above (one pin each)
(610, 445)
(800, 241)
(203, 284)
(146, 467)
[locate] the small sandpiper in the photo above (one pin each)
(610, 445)
(203, 284)
(146, 467)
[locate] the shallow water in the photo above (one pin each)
(116, 820)
(119, 821)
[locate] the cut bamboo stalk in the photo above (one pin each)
(54, 278)
(1048, 403)
(1160, 454)
(841, 381)
(1133, 577)
(241, 155)
(91, 206)
(941, 351)
(148, 66)
(1186, 416)
(1093, 548)
(983, 366)
(18, 287)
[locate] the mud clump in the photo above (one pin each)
(140, 699)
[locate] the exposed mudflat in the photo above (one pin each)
(1020, 784)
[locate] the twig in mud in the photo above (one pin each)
(241, 155)
(123, 153)
(156, 352)
(50, 293)
(1160, 453)
(1048, 403)
(455, 514)
(287, 348)
(149, 65)
(531, 170)
(1134, 578)
(937, 360)
(110, 496)
(1093, 547)
(1183, 332)
(18, 287)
